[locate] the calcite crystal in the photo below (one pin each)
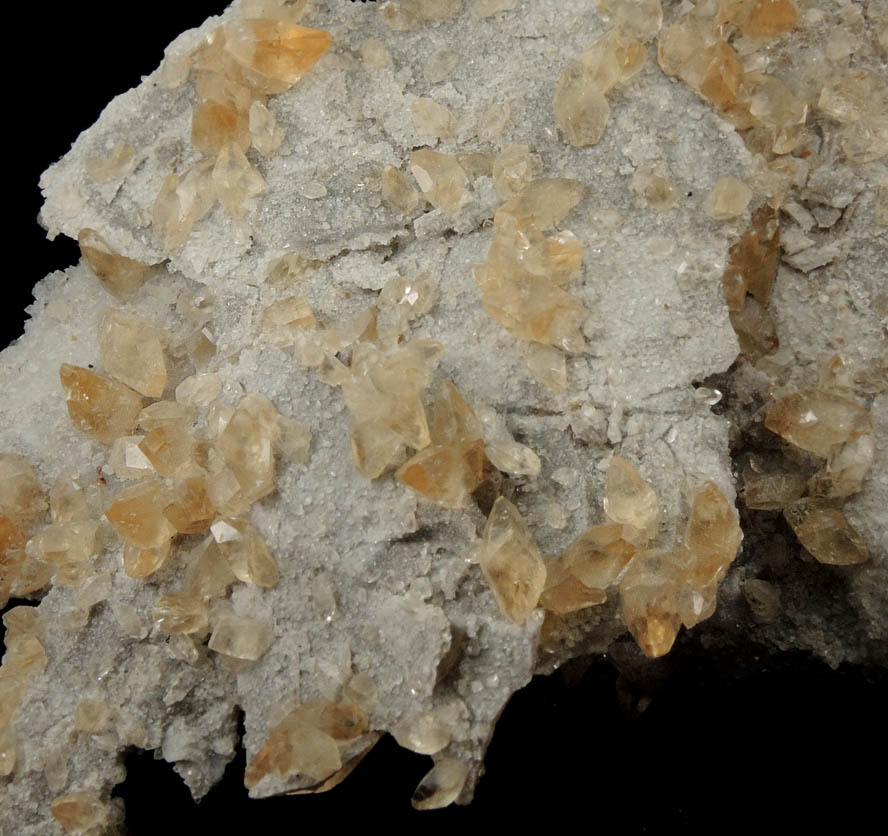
(407, 357)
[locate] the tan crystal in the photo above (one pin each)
(246, 551)
(96, 590)
(543, 204)
(294, 441)
(99, 406)
(265, 134)
(276, 50)
(649, 605)
(141, 563)
(432, 119)
(485, 8)
(511, 562)
(119, 275)
(180, 614)
(631, 501)
(115, 166)
(763, 599)
(21, 497)
(826, 533)
(199, 390)
(209, 575)
(846, 467)
(362, 691)
(728, 199)
(581, 110)
(240, 638)
(92, 716)
(190, 511)
(771, 490)
(422, 733)
(220, 115)
(816, 420)
(547, 365)
(236, 182)
(598, 556)
(513, 170)
(712, 537)
(658, 191)
(755, 329)
(136, 514)
(444, 782)
(753, 261)
(445, 474)
(65, 543)
(8, 750)
(413, 295)
(78, 812)
(67, 500)
(612, 59)
(132, 352)
(181, 203)
(167, 415)
(770, 18)
(397, 191)
(247, 448)
(441, 179)
(375, 447)
(282, 318)
(564, 592)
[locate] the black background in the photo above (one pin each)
(787, 743)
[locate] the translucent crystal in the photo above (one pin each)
(511, 562)
(712, 537)
(181, 203)
(281, 319)
(414, 295)
(78, 812)
(96, 590)
(141, 563)
(167, 415)
(362, 691)
(564, 592)
(119, 275)
(432, 119)
(753, 261)
(397, 191)
(240, 638)
(265, 134)
(513, 170)
(598, 556)
(755, 329)
(770, 18)
(548, 366)
(236, 181)
(99, 406)
(199, 390)
(115, 166)
(294, 441)
(771, 490)
(170, 450)
(640, 19)
(543, 204)
(649, 605)
(445, 474)
(21, 497)
(190, 510)
(136, 514)
(847, 466)
(763, 599)
(375, 447)
(209, 575)
(8, 747)
(816, 420)
(613, 59)
(246, 551)
(728, 199)
(441, 179)
(422, 733)
(658, 191)
(275, 50)
(581, 110)
(132, 352)
(826, 533)
(631, 501)
(220, 115)
(247, 448)
(180, 614)
(65, 543)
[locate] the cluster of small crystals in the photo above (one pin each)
(580, 102)
(836, 432)
(522, 281)
(262, 52)
(660, 588)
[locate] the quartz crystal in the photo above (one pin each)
(816, 420)
(511, 562)
(98, 405)
(119, 275)
(825, 532)
(132, 352)
(241, 638)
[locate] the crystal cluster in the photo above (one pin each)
(522, 281)
(580, 102)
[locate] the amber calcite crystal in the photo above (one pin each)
(240, 638)
(119, 275)
(245, 550)
(247, 447)
(631, 501)
(511, 562)
(441, 179)
(712, 537)
(816, 420)
(185, 614)
(825, 532)
(99, 406)
(564, 592)
(581, 108)
(599, 555)
(181, 202)
(441, 785)
(79, 812)
(136, 514)
(649, 603)
(221, 115)
(398, 192)
(132, 352)
(753, 261)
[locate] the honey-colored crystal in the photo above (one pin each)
(119, 275)
(728, 199)
(543, 204)
(755, 329)
(247, 448)
(581, 109)
(712, 537)
(432, 119)
(445, 474)
(770, 18)
(127, 461)
(246, 551)
(397, 191)
(141, 563)
(240, 638)
(281, 319)
(511, 562)
(60, 544)
(443, 783)
(631, 501)
(763, 599)
(190, 511)
(221, 114)
(424, 734)
(276, 50)
(265, 133)
(209, 575)
(657, 190)
(753, 261)
(136, 514)
(375, 447)
(513, 170)
(547, 365)
(441, 179)
(649, 605)
(816, 420)
(236, 182)
(826, 533)
(99, 406)
(199, 390)
(771, 490)
(599, 555)
(8, 750)
(564, 592)
(613, 59)
(21, 497)
(79, 812)
(114, 166)
(132, 352)
(176, 614)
